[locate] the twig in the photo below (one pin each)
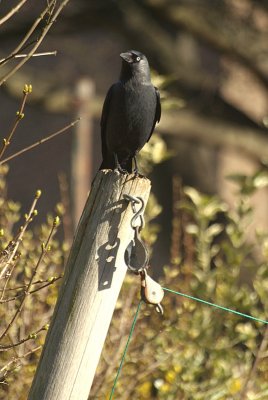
(47, 53)
(41, 141)
(14, 360)
(22, 44)
(37, 44)
(50, 282)
(65, 200)
(252, 373)
(31, 336)
(14, 350)
(14, 244)
(44, 250)
(54, 278)
(176, 233)
(13, 54)
(6, 141)
(6, 283)
(12, 12)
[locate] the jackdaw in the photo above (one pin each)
(130, 111)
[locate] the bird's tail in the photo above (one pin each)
(127, 164)
(109, 163)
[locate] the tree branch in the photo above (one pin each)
(201, 25)
(41, 141)
(37, 44)
(252, 373)
(44, 250)
(23, 44)
(20, 114)
(215, 132)
(12, 12)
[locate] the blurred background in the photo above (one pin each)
(209, 59)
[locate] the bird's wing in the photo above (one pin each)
(157, 111)
(105, 108)
(158, 106)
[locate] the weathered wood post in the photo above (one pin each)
(93, 277)
(82, 149)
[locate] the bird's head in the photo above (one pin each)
(135, 65)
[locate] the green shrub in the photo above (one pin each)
(194, 351)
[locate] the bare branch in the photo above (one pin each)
(6, 142)
(67, 222)
(31, 336)
(216, 132)
(49, 280)
(48, 283)
(12, 247)
(14, 360)
(6, 282)
(47, 53)
(38, 42)
(23, 44)
(12, 12)
(222, 39)
(41, 141)
(44, 250)
(250, 379)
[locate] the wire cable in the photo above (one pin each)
(216, 305)
(125, 350)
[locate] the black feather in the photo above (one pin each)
(130, 112)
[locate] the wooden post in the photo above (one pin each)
(82, 148)
(93, 277)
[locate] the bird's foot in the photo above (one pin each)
(136, 170)
(118, 167)
(120, 170)
(137, 174)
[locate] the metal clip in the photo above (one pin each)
(137, 213)
(136, 254)
(151, 291)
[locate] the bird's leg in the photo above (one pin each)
(136, 171)
(118, 166)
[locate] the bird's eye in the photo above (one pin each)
(138, 59)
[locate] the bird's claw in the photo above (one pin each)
(120, 170)
(137, 173)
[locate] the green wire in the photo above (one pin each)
(125, 350)
(183, 295)
(215, 305)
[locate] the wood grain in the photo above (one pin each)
(92, 281)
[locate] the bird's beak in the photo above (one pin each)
(126, 57)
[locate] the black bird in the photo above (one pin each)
(130, 111)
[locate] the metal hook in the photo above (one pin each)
(138, 213)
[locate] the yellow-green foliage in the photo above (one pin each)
(39, 259)
(195, 352)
